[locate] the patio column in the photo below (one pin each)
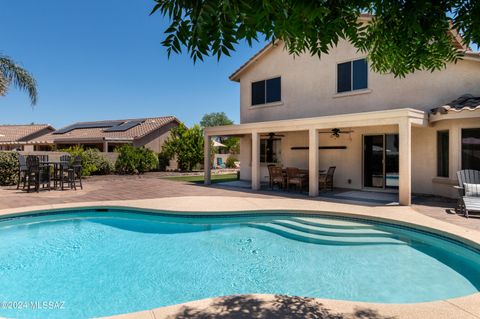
(255, 161)
(405, 162)
(105, 146)
(206, 159)
(312, 162)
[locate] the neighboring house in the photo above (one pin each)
(107, 135)
(16, 137)
(382, 133)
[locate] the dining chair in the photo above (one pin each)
(276, 176)
(22, 170)
(295, 178)
(326, 180)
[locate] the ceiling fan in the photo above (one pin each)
(335, 132)
(272, 136)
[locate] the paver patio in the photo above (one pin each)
(152, 185)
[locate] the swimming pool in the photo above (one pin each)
(92, 263)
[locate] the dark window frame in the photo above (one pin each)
(352, 75)
(443, 151)
(266, 98)
(474, 152)
(270, 155)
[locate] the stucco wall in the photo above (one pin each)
(309, 86)
(155, 140)
(424, 156)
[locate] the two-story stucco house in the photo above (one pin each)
(406, 135)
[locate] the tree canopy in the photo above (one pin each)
(215, 119)
(232, 144)
(186, 145)
(400, 36)
(12, 73)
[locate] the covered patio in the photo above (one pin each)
(308, 144)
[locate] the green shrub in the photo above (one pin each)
(101, 164)
(8, 168)
(135, 160)
(163, 161)
(230, 162)
(93, 162)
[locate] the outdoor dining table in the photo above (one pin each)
(304, 171)
(59, 168)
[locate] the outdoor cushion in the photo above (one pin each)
(471, 190)
(472, 204)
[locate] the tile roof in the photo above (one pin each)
(146, 126)
(20, 133)
(464, 102)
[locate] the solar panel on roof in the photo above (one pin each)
(124, 126)
(86, 125)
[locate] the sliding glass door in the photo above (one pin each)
(373, 175)
(380, 161)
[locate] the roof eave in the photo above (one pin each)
(235, 76)
(365, 17)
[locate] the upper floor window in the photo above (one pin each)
(266, 91)
(352, 75)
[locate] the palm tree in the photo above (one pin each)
(12, 73)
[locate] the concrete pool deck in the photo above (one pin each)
(271, 306)
(153, 185)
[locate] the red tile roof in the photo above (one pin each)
(147, 126)
(20, 133)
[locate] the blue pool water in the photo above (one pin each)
(91, 263)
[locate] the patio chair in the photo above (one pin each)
(326, 180)
(43, 158)
(37, 174)
(220, 163)
(63, 173)
(75, 173)
(65, 158)
(22, 171)
(471, 200)
(276, 176)
(469, 176)
(269, 166)
(294, 177)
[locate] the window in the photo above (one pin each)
(270, 150)
(442, 153)
(471, 148)
(352, 75)
(266, 91)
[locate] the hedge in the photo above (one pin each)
(8, 168)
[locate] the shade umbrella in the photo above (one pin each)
(218, 144)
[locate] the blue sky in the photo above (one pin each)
(103, 59)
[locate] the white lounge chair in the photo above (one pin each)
(467, 176)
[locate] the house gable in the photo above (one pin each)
(309, 85)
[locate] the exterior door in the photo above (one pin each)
(373, 175)
(380, 161)
(391, 160)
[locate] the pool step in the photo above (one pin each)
(322, 239)
(330, 231)
(331, 223)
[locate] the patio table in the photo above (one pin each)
(305, 171)
(59, 168)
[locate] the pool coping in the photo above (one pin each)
(463, 307)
